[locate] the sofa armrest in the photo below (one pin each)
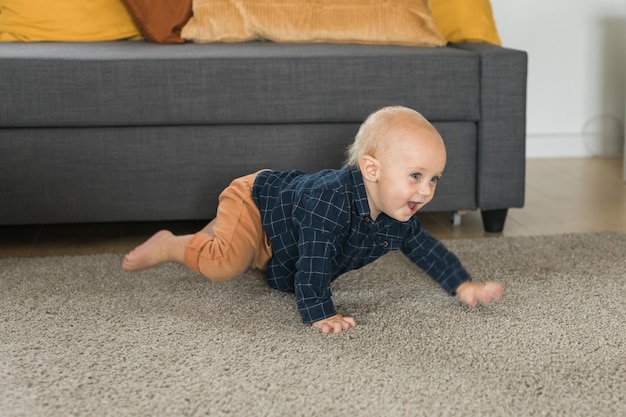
(502, 127)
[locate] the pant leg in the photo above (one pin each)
(239, 240)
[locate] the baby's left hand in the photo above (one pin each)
(472, 293)
(335, 324)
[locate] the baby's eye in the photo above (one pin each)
(434, 180)
(416, 176)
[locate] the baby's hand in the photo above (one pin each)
(472, 293)
(335, 324)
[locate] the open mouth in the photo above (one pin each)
(414, 206)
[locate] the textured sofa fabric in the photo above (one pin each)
(133, 131)
(139, 84)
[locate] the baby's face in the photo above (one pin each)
(410, 165)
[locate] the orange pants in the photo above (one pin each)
(237, 240)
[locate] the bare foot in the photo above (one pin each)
(152, 252)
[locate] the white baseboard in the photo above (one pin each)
(573, 145)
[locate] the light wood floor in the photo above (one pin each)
(562, 196)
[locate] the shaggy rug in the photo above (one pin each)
(79, 337)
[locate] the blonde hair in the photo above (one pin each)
(375, 128)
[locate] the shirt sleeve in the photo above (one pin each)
(320, 220)
(436, 260)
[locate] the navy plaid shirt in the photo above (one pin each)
(319, 227)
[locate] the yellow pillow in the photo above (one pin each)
(65, 20)
(402, 22)
(465, 20)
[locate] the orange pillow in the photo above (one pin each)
(465, 20)
(65, 20)
(160, 21)
(401, 22)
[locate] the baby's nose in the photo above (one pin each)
(424, 189)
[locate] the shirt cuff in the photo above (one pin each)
(454, 280)
(312, 313)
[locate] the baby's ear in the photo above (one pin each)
(369, 168)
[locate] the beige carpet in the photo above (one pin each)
(78, 337)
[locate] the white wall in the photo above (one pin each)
(576, 73)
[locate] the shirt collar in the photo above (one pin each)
(360, 196)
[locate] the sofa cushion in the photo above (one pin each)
(142, 83)
(125, 173)
(160, 21)
(403, 22)
(465, 20)
(65, 20)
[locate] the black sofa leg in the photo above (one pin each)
(493, 220)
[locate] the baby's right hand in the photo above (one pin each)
(335, 324)
(472, 293)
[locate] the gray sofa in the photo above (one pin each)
(135, 131)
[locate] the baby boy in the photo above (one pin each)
(305, 230)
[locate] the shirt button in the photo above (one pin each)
(385, 243)
(367, 219)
